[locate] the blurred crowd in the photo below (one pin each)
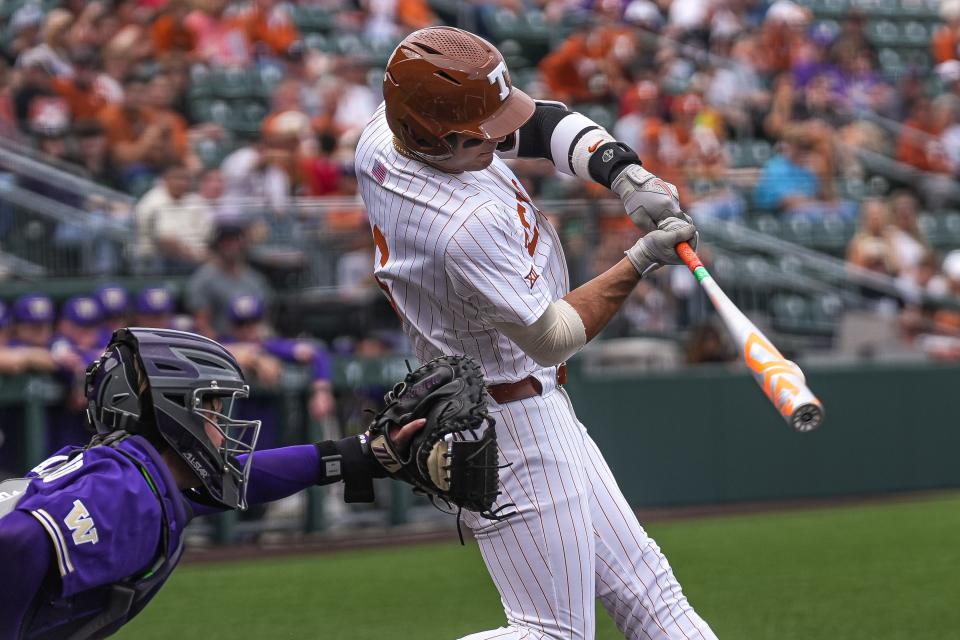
(125, 89)
(225, 299)
(208, 110)
(889, 241)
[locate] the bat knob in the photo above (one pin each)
(807, 418)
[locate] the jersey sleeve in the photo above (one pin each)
(275, 474)
(98, 536)
(490, 261)
(25, 557)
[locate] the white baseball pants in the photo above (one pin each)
(574, 538)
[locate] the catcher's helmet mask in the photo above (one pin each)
(157, 383)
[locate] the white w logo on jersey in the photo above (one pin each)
(83, 527)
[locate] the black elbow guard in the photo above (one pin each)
(536, 133)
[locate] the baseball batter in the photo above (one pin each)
(472, 267)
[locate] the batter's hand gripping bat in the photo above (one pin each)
(782, 380)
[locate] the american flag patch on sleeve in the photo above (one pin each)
(379, 171)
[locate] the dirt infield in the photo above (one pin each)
(275, 546)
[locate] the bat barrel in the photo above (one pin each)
(781, 380)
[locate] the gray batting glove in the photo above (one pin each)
(658, 247)
(647, 199)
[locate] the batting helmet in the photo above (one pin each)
(175, 389)
(442, 80)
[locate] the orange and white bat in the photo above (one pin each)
(781, 379)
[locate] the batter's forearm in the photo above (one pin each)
(599, 299)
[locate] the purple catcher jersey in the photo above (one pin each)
(102, 513)
(115, 519)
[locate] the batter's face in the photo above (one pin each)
(469, 153)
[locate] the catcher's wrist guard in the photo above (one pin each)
(454, 458)
(349, 460)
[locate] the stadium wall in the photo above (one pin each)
(707, 435)
(703, 435)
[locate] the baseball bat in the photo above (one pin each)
(781, 380)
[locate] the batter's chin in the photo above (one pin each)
(483, 162)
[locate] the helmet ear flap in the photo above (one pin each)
(418, 138)
(128, 405)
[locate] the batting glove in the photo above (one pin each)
(647, 199)
(658, 247)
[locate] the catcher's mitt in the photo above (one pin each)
(454, 457)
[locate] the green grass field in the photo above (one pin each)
(869, 572)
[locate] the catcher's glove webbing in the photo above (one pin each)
(454, 457)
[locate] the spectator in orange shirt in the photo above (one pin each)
(81, 91)
(946, 39)
(918, 144)
(589, 65)
(143, 142)
(415, 14)
(269, 22)
(159, 96)
(169, 31)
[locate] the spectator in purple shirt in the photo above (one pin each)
(33, 316)
(90, 536)
(32, 352)
(249, 330)
(115, 304)
(154, 308)
(76, 344)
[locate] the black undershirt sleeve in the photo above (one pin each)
(535, 134)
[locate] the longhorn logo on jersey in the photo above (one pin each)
(531, 230)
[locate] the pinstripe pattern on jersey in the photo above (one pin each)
(459, 249)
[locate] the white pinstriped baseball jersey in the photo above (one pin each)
(470, 248)
(456, 253)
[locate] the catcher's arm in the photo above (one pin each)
(351, 460)
(284, 471)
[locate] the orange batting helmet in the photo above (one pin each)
(442, 80)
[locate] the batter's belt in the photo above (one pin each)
(523, 389)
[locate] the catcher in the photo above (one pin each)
(90, 535)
